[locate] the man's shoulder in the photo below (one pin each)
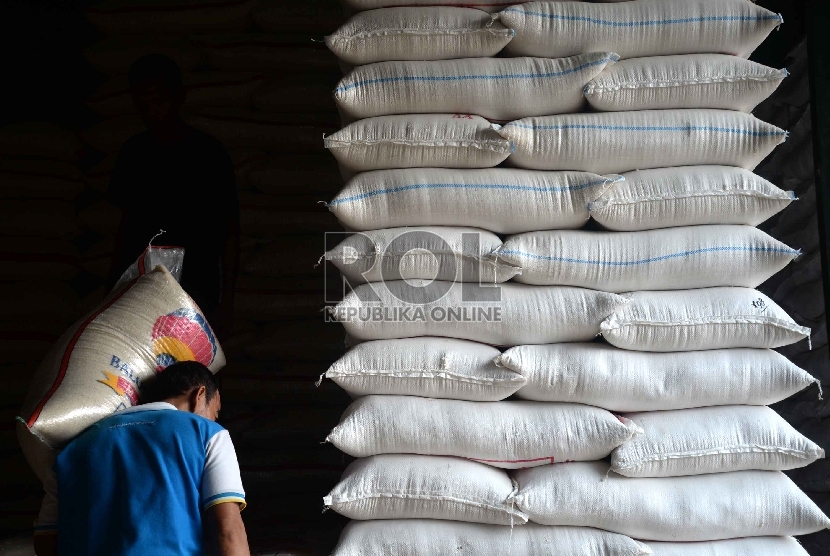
(156, 413)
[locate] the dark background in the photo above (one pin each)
(280, 343)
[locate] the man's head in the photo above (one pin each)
(188, 385)
(156, 85)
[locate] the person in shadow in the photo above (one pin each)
(175, 178)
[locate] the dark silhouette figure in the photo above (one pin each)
(175, 178)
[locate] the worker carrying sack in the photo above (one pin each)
(100, 363)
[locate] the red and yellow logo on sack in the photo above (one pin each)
(122, 386)
(183, 335)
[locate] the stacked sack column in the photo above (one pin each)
(691, 358)
(429, 425)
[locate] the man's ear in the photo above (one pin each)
(197, 398)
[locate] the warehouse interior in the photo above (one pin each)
(66, 115)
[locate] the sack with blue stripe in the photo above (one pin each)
(418, 33)
(638, 28)
(625, 141)
(688, 196)
(501, 200)
(418, 141)
(426, 252)
(669, 259)
(683, 81)
(488, 87)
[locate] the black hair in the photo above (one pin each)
(177, 379)
(156, 66)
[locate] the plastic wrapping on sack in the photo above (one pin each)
(483, 86)
(503, 314)
(709, 318)
(501, 200)
(426, 367)
(418, 141)
(712, 440)
(440, 253)
(99, 364)
(669, 259)
(503, 434)
(170, 257)
(422, 33)
(621, 380)
(699, 508)
(638, 28)
(432, 537)
(625, 141)
(407, 486)
(688, 196)
(687, 81)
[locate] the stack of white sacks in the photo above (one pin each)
(678, 399)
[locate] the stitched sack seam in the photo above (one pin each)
(590, 89)
(420, 495)
(735, 449)
(496, 145)
(712, 320)
(603, 203)
(425, 373)
(418, 32)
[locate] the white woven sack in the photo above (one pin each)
(430, 537)
(699, 508)
(638, 28)
(417, 141)
(688, 196)
(97, 367)
(507, 314)
(503, 434)
(669, 259)
(418, 33)
(778, 546)
(483, 86)
(426, 367)
(486, 5)
(501, 200)
(620, 380)
(711, 318)
(395, 486)
(437, 252)
(625, 141)
(713, 440)
(687, 81)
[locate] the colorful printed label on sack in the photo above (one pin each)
(183, 335)
(125, 383)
